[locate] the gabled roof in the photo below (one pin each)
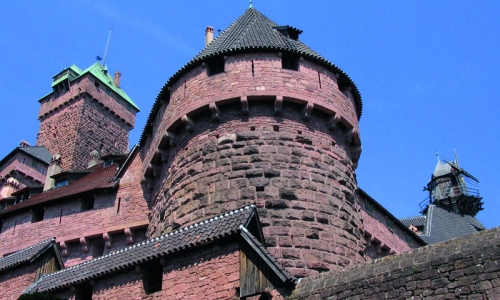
(442, 225)
(201, 233)
(100, 178)
(28, 255)
(254, 32)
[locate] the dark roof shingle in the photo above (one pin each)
(253, 31)
(26, 255)
(182, 239)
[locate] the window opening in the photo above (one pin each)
(290, 61)
(60, 216)
(253, 70)
(37, 215)
(34, 163)
(118, 206)
(276, 128)
(215, 66)
(87, 203)
(61, 182)
(390, 224)
(84, 292)
(108, 163)
(14, 230)
(152, 278)
(369, 208)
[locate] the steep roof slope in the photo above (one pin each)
(254, 32)
(181, 240)
(26, 255)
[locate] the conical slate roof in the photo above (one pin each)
(254, 32)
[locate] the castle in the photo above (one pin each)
(242, 186)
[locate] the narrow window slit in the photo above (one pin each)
(260, 189)
(276, 128)
(118, 206)
(319, 79)
(252, 128)
(60, 216)
(253, 70)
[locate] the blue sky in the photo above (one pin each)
(427, 72)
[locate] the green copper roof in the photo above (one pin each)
(100, 72)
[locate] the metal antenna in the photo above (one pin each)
(456, 156)
(251, 4)
(106, 51)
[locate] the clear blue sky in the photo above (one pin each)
(427, 72)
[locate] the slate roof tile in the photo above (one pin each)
(442, 225)
(24, 256)
(184, 238)
(250, 32)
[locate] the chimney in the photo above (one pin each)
(24, 144)
(209, 35)
(54, 168)
(95, 158)
(116, 79)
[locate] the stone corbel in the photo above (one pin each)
(278, 105)
(215, 112)
(163, 154)
(332, 122)
(64, 248)
(170, 136)
(85, 245)
(188, 122)
(380, 248)
(107, 239)
(348, 133)
(244, 105)
(306, 111)
(156, 168)
(130, 236)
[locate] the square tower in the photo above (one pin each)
(87, 110)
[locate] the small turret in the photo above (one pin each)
(453, 189)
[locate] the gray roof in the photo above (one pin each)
(26, 255)
(442, 169)
(38, 152)
(415, 221)
(254, 32)
(442, 225)
(195, 235)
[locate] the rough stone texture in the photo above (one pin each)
(380, 240)
(14, 282)
(299, 173)
(465, 268)
(83, 119)
(210, 272)
(65, 220)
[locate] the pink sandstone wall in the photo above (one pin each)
(380, 240)
(211, 272)
(300, 173)
(29, 172)
(82, 120)
(65, 220)
(14, 282)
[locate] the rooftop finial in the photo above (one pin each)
(251, 4)
(437, 153)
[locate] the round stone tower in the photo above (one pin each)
(259, 117)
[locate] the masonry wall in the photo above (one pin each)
(465, 268)
(211, 272)
(83, 119)
(121, 214)
(294, 166)
(13, 282)
(382, 238)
